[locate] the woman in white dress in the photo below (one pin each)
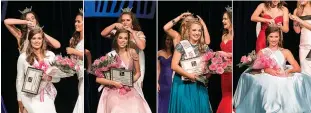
(28, 21)
(36, 53)
(128, 20)
(76, 50)
(274, 91)
(302, 25)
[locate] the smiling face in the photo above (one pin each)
(36, 41)
(226, 21)
(122, 40)
(274, 39)
(195, 31)
(79, 23)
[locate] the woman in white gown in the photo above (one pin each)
(128, 20)
(36, 53)
(302, 25)
(76, 50)
(268, 92)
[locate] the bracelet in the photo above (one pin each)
(173, 21)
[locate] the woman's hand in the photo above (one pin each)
(185, 14)
(21, 107)
(118, 25)
(272, 72)
(128, 29)
(117, 84)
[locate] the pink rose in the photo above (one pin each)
(96, 62)
(220, 70)
(219, 60)
(104, 69)
(214, 60)
(212, 67)
(122, 91)
(103, 58)
(244, 59)
(249, 58)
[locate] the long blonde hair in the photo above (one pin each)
(201, 40)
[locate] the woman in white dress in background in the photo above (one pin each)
(36, 53)
(302, 25)
(76, 50)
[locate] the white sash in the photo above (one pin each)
(189, 51)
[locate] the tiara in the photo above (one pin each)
(37, 27)
(228, 8)
(81, 10)
(26, 10)
(126, 10)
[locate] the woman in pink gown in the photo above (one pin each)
(113, 98)
(270, 12)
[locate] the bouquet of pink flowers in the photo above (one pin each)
(216, 63)
(104, 64)
(248, 60)
(265, 61)
(66, 65)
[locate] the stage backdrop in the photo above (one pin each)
(99, 46)
(245, 34)
(211, 13)
(58, 20)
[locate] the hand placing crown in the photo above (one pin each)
(26, 10)
(229, 9)
(126, 10)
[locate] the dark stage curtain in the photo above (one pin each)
(58, 20)
(211, 13)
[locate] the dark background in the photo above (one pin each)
(245, 34)
(99, 46)
(211, 13)
(58, 20)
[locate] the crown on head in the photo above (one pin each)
(26, 10)
(228, 8)
(37, 27)
(126, 10)
(81, 10)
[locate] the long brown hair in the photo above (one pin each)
(269, 3)
(229, 14)
(115, 45)
(24, 28)
(201, 40)
(76, 35)
(135, 22)
(30, 55)
(272, 29)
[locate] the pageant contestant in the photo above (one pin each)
(302, 25)
(225, 105)
(76, 51)
(182, 34)
(270, 12)
(280, 88)
(38, 57)
(128, 20)
(189, 96)
(164, 78)
(116, 97)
